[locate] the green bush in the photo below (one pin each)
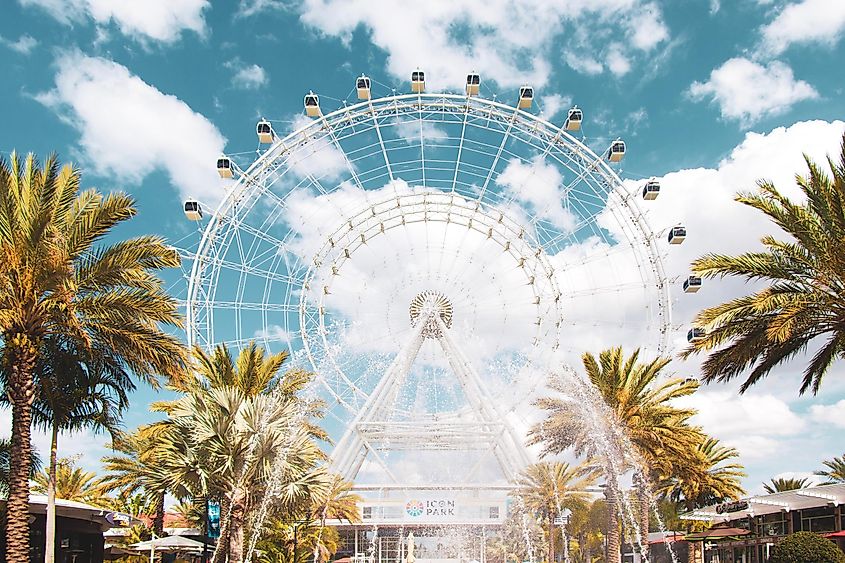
(806, 547)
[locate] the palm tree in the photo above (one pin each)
(805, 276)
(57, 279)
(835, 472)
(73, 483)
(550, 487)
(639, 400)
(134, 469)
(6, 463)
(706, 476)
(223, 436)
(781, 484)
(336, 502)
(75, 389)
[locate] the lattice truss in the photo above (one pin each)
(325, 240)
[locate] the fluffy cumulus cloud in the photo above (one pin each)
(751, 423)
(498, 38)
(129, 129)
(155, 20)
(23, 45)
(805, 22)
(748, 91)
(833, 415)
(249, 77)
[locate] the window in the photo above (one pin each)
(818, 520)
(494, 513)
(773, 524)
(367, 513)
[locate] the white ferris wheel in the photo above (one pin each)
(430, 256)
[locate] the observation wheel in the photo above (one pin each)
(451, 216)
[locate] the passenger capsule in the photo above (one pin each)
(417, 82)
(312, 105)
(264, 131)
(651, 190)
(677, 235)
(573, 119)
(616, 151)
(473, 84)
(696, 334)
(362, 85)
(526, 96)
(193, 210)
(692, 284)
(225, 167)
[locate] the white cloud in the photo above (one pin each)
(806, 21)
(553, 104)
(617, 62)
(833, 415)
(250, 77)
(748, 91)
(537, 185)
(157, 20)
(412, 130)
(498, 38)
(129, 129)
(87, 447)
(755, 424)
(582, 63)
(24, 45)
(647, 28)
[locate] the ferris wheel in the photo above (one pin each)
(429, 233)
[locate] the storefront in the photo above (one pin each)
(447, 525)
(745, 531)
(79, 530)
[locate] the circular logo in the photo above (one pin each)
(414, 507)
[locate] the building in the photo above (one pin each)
(449, 524)
(79, 530)
(745, 531)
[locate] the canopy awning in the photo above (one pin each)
(717, 533)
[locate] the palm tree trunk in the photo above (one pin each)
(551, 539)
(612, 554)
(21, 390)
(236, 534)
(644, 505)
(50, 532)
(158, 519)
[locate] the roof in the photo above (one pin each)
(798, 499)
(168, 543)
(718, 533)
(105, 517)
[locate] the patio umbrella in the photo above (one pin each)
(169, 544)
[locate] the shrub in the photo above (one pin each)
(806, 547)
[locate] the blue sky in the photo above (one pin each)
(710, 96)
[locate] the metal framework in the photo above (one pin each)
(278, 260)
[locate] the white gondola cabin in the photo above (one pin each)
(651, 190)
(695, 334)
(225, 167)
(526, 96)
(312, 105)
(417, 82)
(473, 84)
(692, 284)
(193, 210)
(362, 85)
(573, 119)
(677, 235)
(616, 151)
(264, 131)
